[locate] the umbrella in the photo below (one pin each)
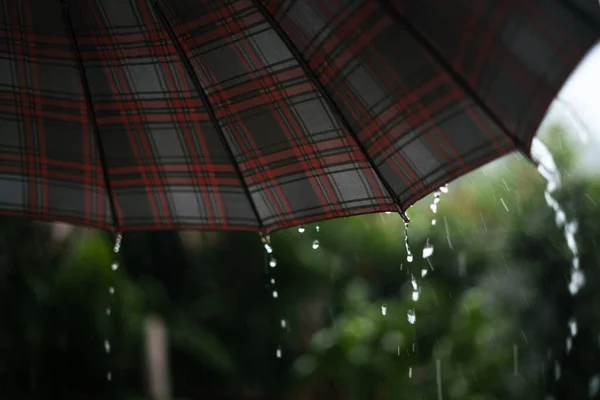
(260, 115)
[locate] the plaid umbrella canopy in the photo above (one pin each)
(263, 114)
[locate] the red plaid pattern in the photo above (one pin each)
(324, 108)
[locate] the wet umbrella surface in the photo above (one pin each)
(260, 115)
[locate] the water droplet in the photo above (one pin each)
(423, 272)
(383, 310)
(411, 316)
(115, 266)
(410, 257)
(410, 372)
(413, 281)
(315, 244)
(317, 228)
(388, 212)
(433, 207)
(415, 296)
(433, 222)
(273, 281)
(283, 323)
(109, 376)
(444, 189)
(272, 262)
(427, 250)
(268, 248)
(108, 312)
(107, 346)
(594, 386)
(577, 281)
(301, 229)
(557, 370)
(118, 240)
(278, 352)
(111, 290)
(573, 327)
(569, 344)
(275, 294)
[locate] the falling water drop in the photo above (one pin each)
(409, 255)
(275, 294)
(573, 327)
(383, 310)
(317, 228)
(283, 323)
(594, 386)
(118, 240)
(272, 262)
(108, 311)
(278, 352)
(107, 346)
(111, 290)
(427, 250)
(388, 212)
(413, 281)
(410, 372)
(410, 314)
(109, 376)
(268, 248)
(272, 281)
(433, 221)
(415, 295)
(423, 272)
(301, 229)
(444, 189)
(315, 244)
(115, 266)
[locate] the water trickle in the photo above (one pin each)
(548, 169)
(301, 229)
(410, 314)
(383, 310)
(409, 255)
(315, 244)
(444, 189)
(118, 240)
(413, 281)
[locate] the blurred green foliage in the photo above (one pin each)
(491, 318)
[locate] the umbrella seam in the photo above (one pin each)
(447, 66)
(329, 100)
(198, 86)
(91, 114)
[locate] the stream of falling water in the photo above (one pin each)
(548, 169)
(111, 291)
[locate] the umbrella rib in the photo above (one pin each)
(198, 86)
(456, 77)
(330, 102)
(91, 114)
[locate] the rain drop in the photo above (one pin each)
(317, 228)
(433, 207)
(109, 376)
(111, 290)
(413, 281)
(107, 346)
(433, 222)
(594, 386)
(278, 352)
(115, 266)
(427, 250)
(415, 295)
(301, 229)
(444, 189)
(410, 372)
(272, 262)
(315, 244)
(573, 327)
(283, 323)
(275, 294)
(273, 281)
(423, 272)
(268, 248)
(108, 311)
(411, 316)
(383, 310)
